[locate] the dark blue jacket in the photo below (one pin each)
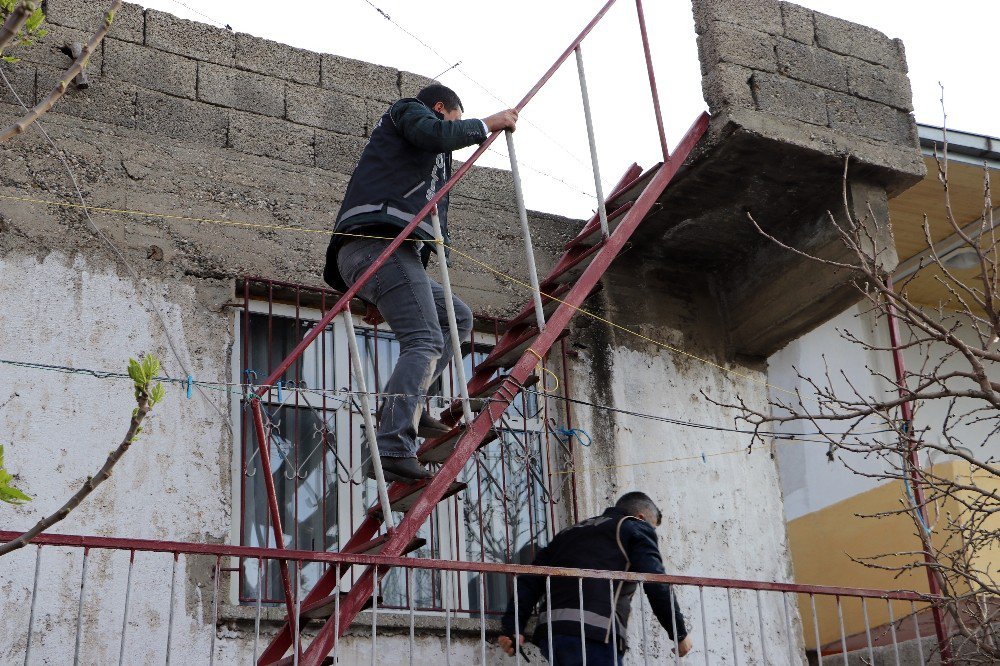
(613, 541)
(406, 160)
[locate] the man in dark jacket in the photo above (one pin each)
(623, 538)
(406, 160)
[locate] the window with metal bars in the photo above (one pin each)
(519, 487)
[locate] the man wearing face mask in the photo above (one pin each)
(623, 538)
(406, 160)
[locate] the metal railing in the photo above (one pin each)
(141, 601)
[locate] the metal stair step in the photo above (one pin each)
(590, 235)
(324, 608)
(633, 189)
(403, 495)
(570, 266)
(477, 401)
(438, 450)
(375, 546)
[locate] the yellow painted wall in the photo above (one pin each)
(826, 543)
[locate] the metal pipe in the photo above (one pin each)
(34, 597)
(673, 624)
(819, 651)
(170, 615)
(529, 250)
(215, 610)
(760, 623)
(297, 637)
(548, 614)
(482, 607)
(409, 599)
(892, 630)
(256, 622)
(598, 187)
(614, 622)
(79, 609)
(843, 636)
(516, 638)
(652, 80)
(789, 623)
(449, 306)
(583, 628)
(128, 598)
(704, 623)
(374, 612)
(336, 615)
(642, 618)
(916, 631)
(446, 593)
(868, 630)
(366, 415)
(906, 410)
(732, 627)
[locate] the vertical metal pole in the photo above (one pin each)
(791, 630)
(215, 609)
(892, 630)
(548, 615)
(366, 414)
(128, 599)
(297, 623)
(916, 631)
(642, 618)
(652, 80)
(34, 596)
(704, 623)
(673, 625)
(760, 623)
(336, 613)
(409, 594)
(517, 626)
(601, 208)
(446, 593)
(868, 630)
(79, 610)
(375, 583)
(260, 593)
(449, 306)
(614, 621)
(170, 614)
(482, 608)
(843, 636)
(819, 652)
(583, 629)
(906, 410)
(529, 251)
(732, 626)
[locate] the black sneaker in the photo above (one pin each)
(430, 428)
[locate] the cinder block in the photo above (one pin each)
(870, 119)
(879, 84)
(410, 84)
(737, 45)
(727, 87)
(270, 137)
(857, 40)
(46, 51)
(275, 59)
(374, 110)
(763, 15)
(812, 65)
(359, 78)
(182, 119)
(105, 100)
(88, 15)
(189, 38)
(798, 23)
(150, 68)
(237, 89)
(329, 109)
(22, 78)
(786, 97)
(338, 152)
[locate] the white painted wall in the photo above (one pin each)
(809, 481)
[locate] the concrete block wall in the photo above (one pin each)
(798, 76)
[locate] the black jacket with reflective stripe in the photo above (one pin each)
(406, 160)
(613, 541)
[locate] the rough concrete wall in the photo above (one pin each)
(801, 77)
(722, 514)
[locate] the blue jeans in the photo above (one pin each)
(413, 306)
(567, 652)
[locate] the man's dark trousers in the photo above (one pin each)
(413, 306)
(567, 652)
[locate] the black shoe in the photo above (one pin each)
(430, 428)
(406, 470)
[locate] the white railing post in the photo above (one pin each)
(601, 208)
(529, 250)
(366, 415)
(449, 306)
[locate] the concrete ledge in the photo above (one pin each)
(275, 59)
(191, 39)
(356, 77)
(87, 15)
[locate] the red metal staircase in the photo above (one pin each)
(573, 278)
